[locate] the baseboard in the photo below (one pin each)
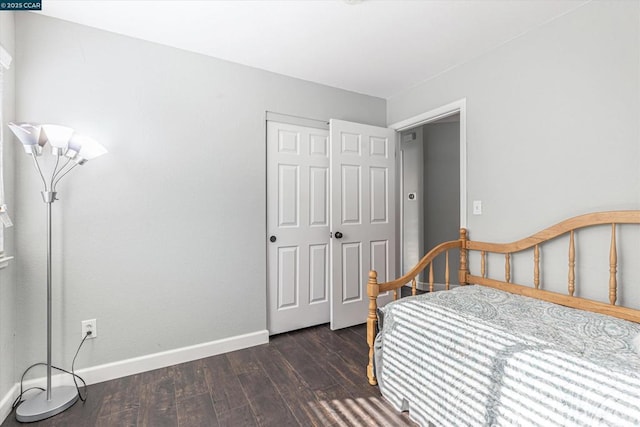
(136, 365)
(7, 401)
(109, 371)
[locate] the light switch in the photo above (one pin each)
(477, 207)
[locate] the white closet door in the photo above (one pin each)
(362, 169)
(297, 226)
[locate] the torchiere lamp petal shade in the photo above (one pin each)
(30, 135)
(89, 148)
(58, 136)
(73, 148)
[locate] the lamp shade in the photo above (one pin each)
(87, 148)
(73, 148)
(30, 135)
(58, 136)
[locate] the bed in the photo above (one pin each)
(493, 352)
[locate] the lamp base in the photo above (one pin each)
(38, 408)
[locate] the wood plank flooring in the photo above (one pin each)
(311, 377)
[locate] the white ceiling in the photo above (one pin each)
(374, 47)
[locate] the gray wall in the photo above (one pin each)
(553, 127)
(7, 275)
(163, 239)
(442, 191)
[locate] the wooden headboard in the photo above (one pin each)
(535, 242)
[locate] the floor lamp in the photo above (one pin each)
(69, 150)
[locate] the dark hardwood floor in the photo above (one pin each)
(311, 377)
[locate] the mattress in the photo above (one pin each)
(477, 356)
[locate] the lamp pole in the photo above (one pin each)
(55, 399)
(49, 197)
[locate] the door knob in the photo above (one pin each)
(338, 235)
(272, 239)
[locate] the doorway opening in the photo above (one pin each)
(432, 177)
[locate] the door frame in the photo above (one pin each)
(459, 106)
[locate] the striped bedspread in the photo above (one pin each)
(476, 356)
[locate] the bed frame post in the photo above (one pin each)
(464, 266)
(372, 321)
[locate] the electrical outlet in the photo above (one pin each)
(90, 326)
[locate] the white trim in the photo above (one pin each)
(431, 116)
(163, 359)
(5, 62)
(136, 365)
(5, 58)
(4, 260)
(7, 401)
(400, 231)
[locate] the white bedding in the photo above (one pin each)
(478, 356)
